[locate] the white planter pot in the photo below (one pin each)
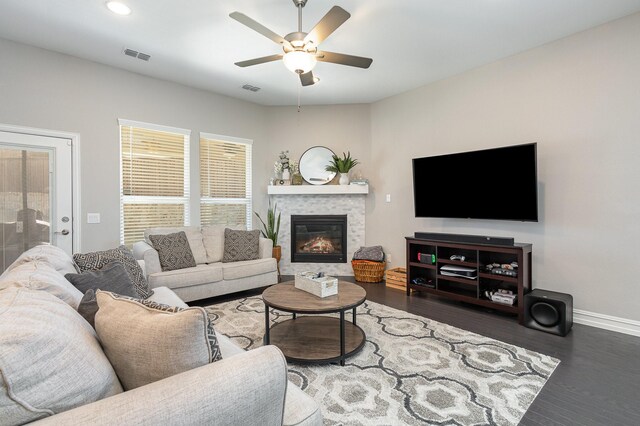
(344, 179)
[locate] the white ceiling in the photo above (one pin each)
(194, 42)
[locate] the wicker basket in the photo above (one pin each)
(366, 271)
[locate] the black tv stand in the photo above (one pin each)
(477, 256)
(465, 238)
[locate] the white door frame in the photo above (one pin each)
(75, 171)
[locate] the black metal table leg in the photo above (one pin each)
(342, 338)
(354, 316)
(266, 325)
(294, 315)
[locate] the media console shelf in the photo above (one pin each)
(477, 256)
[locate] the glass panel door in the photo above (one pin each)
(25, 207)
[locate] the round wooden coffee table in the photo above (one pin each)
(313, 338)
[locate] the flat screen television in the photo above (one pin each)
(499, 183)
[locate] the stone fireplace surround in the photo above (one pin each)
(353, 205)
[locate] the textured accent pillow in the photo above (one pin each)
(194, 235)
(97, 260)
(50, 358)
(112, 277)
(213, 240)
(146, 341)
(373, 253)
(173, 250)
(40, 275)
(240, 245)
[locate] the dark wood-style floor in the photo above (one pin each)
(596, 383)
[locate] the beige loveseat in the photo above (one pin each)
(53, 369)
(210, 277)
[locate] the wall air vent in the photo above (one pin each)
(250, 88)
(136, 54)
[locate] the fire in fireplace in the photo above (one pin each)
(319, 238)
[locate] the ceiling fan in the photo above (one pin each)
(300, 49)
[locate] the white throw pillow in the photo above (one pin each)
(50, 358)
(194, 236)
(146, 341)
(58, 258)
(40, 275)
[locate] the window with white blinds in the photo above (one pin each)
(154, 189)
(225, 180)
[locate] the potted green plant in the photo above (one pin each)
(271, 229)
(343, 166)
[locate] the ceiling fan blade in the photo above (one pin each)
(307, 79)
(256, 26)
(257, 61)
(328, 24)
(342, 59)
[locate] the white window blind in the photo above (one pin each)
(154, 188)
(225, 180)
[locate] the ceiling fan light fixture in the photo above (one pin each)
(299, 61)
(118, 8)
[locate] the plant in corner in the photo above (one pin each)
(270, 230)
(343, 166)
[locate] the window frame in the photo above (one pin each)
(248, 200)
(185, 200)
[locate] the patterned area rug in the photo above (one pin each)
(412, 370)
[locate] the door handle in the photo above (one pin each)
(63, 232)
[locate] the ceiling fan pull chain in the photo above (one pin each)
(299, 89)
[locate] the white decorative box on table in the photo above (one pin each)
(320, 286)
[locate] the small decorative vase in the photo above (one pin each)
(344, 179)
(286, 175)
(296, 179)
(276, 253)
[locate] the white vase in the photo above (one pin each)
(286, 175)
(344, 179)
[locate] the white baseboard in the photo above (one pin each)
(607, 322)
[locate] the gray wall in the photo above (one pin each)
(43, 89)
(579, 98)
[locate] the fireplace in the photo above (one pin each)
(319, 239)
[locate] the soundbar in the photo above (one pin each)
(464, 238)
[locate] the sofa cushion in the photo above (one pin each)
(58, 258)
(97, 260)
(166, 296)
(40, 275)
(147, 341)
(173, 251)
(213, 239)
(50, 358)
(240, 245)
(201, 274)
(248, 268)
(194, 235)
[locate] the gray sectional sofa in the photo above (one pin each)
(210, 277)
(50, 360)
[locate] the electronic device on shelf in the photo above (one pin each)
(457, 257)
(423, 282)
(427, 258)
(498, 184)
(459, 271)
(504, 272)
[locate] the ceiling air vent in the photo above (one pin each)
(136, 54)
(250, 88)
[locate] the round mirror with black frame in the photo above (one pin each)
(313, 164)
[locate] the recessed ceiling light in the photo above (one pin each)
(118, 8)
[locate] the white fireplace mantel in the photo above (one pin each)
(317, 189)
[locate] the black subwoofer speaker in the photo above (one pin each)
(548, 311)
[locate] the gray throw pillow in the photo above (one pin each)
(241, 245)
(173, 250)
(97, 260)
(113, 277)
